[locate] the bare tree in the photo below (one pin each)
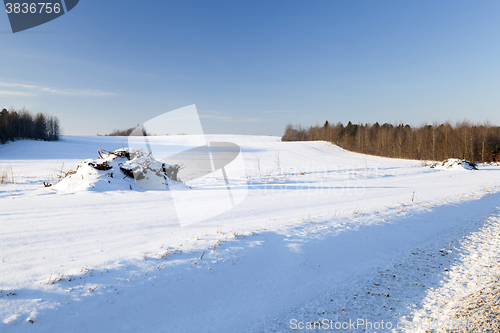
(477, 143)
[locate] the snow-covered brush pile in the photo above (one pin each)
(455, 164)
(121, 169)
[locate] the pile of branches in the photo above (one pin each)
(137, 165)
(454, 162)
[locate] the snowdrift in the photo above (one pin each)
(455, 164)
(121, 169)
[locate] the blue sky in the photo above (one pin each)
(251, 67)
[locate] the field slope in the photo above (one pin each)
(320, 234)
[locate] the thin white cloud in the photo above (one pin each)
(20, 89)
(279, 111)
(211, 116)
(250, 120)
(218, 116)
(15, 93)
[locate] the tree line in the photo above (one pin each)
(21, 124)
(132, 131)
(465, 140)
(116, 132)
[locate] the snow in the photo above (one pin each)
(469, 274)
(319, 228)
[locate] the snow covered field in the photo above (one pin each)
(324, 236)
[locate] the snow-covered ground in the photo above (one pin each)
(324, 235)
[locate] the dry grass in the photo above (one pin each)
(257, 160)
(278, 163)
(6, 175)
(58, 174)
